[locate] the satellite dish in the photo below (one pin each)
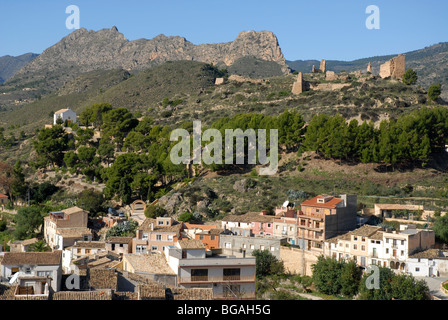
(285, 204)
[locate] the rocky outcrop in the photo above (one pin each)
(86, 50)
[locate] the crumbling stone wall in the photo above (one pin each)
(394, 68)
(297, 87)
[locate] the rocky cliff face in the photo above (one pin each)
(84, 51)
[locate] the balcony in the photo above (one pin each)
(215, 279)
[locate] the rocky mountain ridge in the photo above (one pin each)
(86, 50)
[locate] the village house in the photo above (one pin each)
(35, 273)
(3, 199)
(285, 224)
(21, 245)
(371, 245)
(119, 245)
(251, 223)
(242, 246)
(324, 217)
(63, 228)
(399, 245)
(353, 245)
(155, 234)
(228, 276)
(81, 249)
(428, 263)
(152, 266)
(65, 115)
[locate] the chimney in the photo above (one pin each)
(152, 226)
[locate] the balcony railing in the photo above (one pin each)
(215, 279)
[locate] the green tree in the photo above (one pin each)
(384, 290)
(154, 211)
(50, 145)
(267, 264)
(406, 287)
(350, 278)
(440, 228)
(18, 185)
(410, 77)
(27, 220)
(39, 246)
(91, 201)
(326, 275)
(186, 217)
(434, 91)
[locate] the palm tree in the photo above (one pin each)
(39, 246)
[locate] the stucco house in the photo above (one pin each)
(35, 273)
(229, 277)
(63, 228)
(65, 115)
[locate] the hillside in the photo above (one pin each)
(11, 65)
(431, 64)
(87, 50)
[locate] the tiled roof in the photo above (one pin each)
(73, 232)
(249, 217)
(61, 111)
(329, 204)
(150, 263)
(199, 226)
(32, 258)
(119, 240)
(89, 244)
(191, 244)
(146, 226)
(3, 195)
(72, 210)
(430, 254)
(364, 231)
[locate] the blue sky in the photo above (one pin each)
(317, 29)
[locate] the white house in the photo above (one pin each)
(81, 249)
(228, 276)
(428, 263)
(66, 115)
(35, 273)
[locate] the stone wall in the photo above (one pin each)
(298, 261)
(394, 68)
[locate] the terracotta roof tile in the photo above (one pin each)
(329, 204)
(33, 258)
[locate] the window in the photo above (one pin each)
(154, 248)
(252, 247)
(355, 238)
(363, 248)
(158, 237)
(417, 269)
(402, 242)
(372, 241)
(387, 250)
(269, 225)
(387, 240)
(261, 247)
(228, 245)
(199, 274)
(212, 238)
(160, 222)
(140, 248)
(402, 252)
(231, 273)
(44, 273)
(272, 248)
(169, 237)
(201, 237)
(363, 239)
(355, 247)
(144, 236)
(87, 251)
